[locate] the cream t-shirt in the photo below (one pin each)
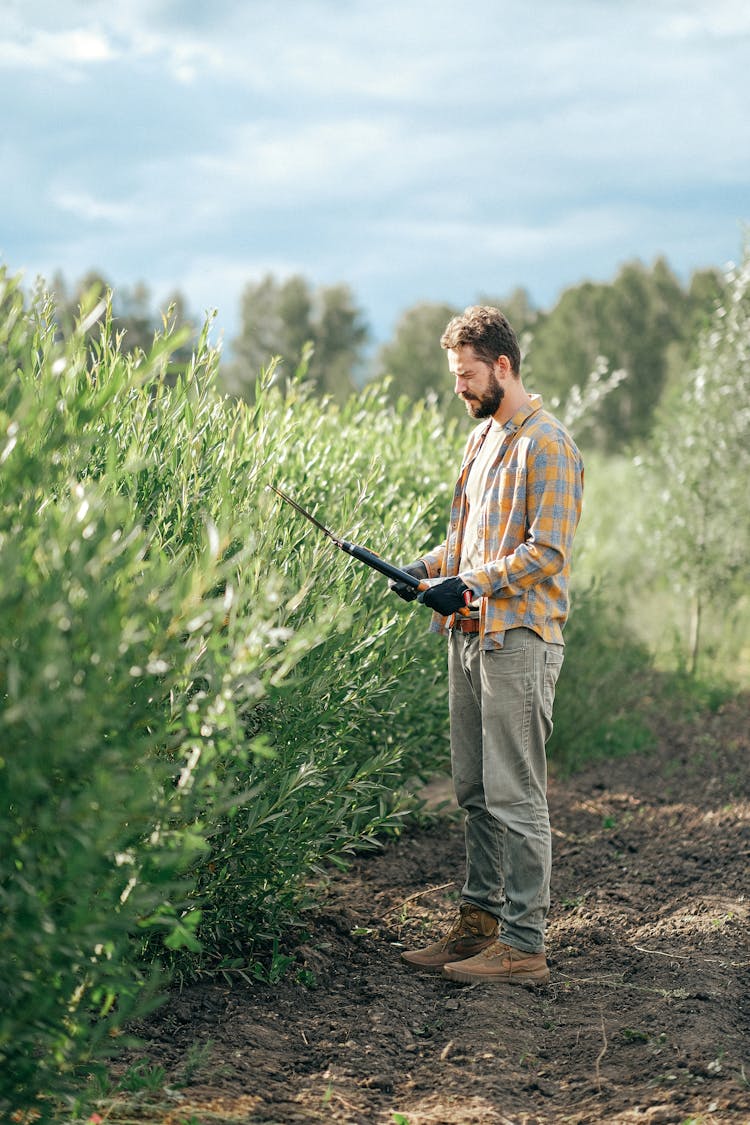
(472, 554)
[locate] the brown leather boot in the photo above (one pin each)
(499, 963)
(473, 931)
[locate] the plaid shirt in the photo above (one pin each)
(530, 511)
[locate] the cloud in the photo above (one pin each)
(84, 206)
(572, 230)
(111, 37)
(721, 20)
(43, 50)
(304, 162)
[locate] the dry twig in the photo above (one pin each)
(601, 1055)
(412, 898)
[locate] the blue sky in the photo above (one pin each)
(415, 150)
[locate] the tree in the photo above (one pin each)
(280, 319)
(69, 300)
(295, 322)
(706, 291)
(133, 317)
(264, 331)
(413, 358)
(340, 334)
(632, 322)
(132, 314)
(517, 307)
(698, 468)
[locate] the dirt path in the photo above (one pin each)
(647, 1017)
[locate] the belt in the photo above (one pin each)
(466, 624)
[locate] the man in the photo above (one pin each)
(516, 506)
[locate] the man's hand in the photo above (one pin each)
(448, 596)
(408, 593)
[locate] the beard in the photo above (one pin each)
(487, 404)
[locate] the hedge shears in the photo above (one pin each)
(362, 554)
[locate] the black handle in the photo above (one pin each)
(369, 558)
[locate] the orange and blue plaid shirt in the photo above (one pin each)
(530, 510)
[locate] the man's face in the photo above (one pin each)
(475, 382)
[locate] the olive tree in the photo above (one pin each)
(698, 467)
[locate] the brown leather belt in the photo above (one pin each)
(466, 624)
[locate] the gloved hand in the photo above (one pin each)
(447, 596)
(408, 593)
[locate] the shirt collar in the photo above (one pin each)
(523, 413)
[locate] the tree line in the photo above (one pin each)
(644, 322)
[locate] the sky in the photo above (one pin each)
(416, 151)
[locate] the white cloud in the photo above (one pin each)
(570, 231)
(184, 57)
(325, 159)
(722, 19)
(113, 36)
(49, 50)
(333, 70)
(83, 205)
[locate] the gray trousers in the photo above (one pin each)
(501, 717)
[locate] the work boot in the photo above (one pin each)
(499, 963)
(473, 930)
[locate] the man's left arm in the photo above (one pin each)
(554, 491)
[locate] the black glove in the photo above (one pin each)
(447, 596)
(408, 593)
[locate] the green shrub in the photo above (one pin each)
(344, 724)
(122, 729)
(202, 700)
(90, 743)
(602, 695)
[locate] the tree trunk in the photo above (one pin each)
(696, 618)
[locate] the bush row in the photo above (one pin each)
(202, 699)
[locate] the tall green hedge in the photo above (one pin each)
(201, 698)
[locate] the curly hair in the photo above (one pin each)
(487, 331)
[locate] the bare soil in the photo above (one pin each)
(646, 1018)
